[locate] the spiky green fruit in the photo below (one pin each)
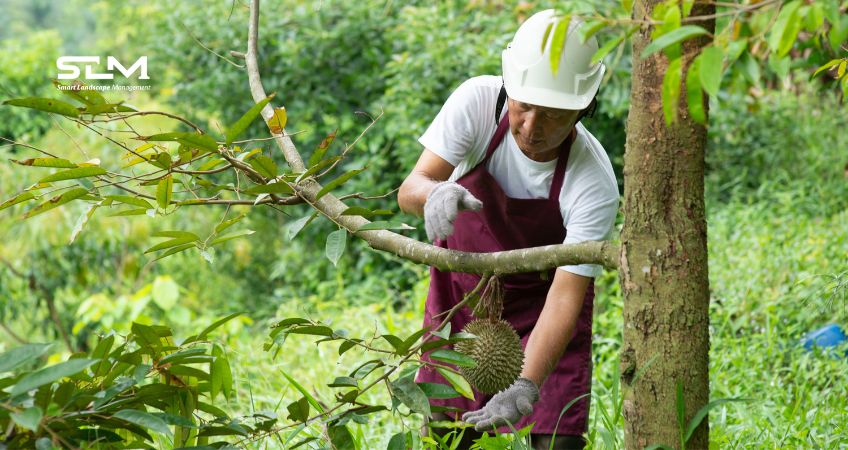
(497, 352)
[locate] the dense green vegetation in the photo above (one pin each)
(777, 198)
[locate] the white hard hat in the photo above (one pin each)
(527, 72)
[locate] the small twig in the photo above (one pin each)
(122, 116)
(362, 196)
(209, 49)
(11, 333)
(11, 142)
(347, 148)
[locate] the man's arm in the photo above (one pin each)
(555, 327)
(429, 170)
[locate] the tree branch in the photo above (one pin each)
(498, 263)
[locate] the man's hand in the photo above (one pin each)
(443, 203)
(507, 406)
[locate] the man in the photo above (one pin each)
(546, 181)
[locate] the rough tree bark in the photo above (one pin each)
(663, 266)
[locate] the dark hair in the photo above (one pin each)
(588, 111)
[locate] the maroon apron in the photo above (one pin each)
(507, 223)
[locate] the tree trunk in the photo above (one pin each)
(663, 269)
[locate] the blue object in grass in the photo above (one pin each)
(825, 337)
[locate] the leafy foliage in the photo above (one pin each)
(140, 389)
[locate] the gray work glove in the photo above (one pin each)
(443, 203)
(507, 406)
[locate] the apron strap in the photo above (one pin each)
(497, 138)
(562, 163)
(500, 104)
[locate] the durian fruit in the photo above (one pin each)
(497, 352)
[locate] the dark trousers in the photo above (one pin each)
(538, 441)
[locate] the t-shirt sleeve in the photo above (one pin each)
(457, 129)
(592, 218)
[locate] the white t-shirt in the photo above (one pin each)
(588, 201)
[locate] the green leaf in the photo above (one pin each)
(558, 42)
(50, 374)
(70, 174)
(320, 165)
(230, 236)
(394, 341)
(84, 96)
(46, 162)
(710, 69)
(45, 104)
(438, 390)
(321, 150)
(335, 245)
(221, 373)
(171, 243)
(411, 395)
(694, 93)
(28, 418)
(82, 221)
(175, 234)
(314, 330)
(452, 357)
(821, 69)
(337, 182)
(357, 211)
(344, 382)
(671, 91)
(130, 200)
(229, 222)
(20, 198)
(217, 324)
(19, 356)
(673, 37)
(294, 228)
(106, 108)
(546, 36)
(681, 411)
(164, 191)
(606, 48)
(244, 121)
(785, 29)
(129, 212)
(398, 441)
(627, 6)
(591, 28)
(144, 420)
(298, 410)
(341, 438)
(56, 201)
(312, 401)
(458, 383)
(264, 165)
(702, 413)
(384, 225)
(195, 140)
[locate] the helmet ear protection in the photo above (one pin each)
(527, 70)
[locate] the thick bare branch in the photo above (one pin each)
(514, 261)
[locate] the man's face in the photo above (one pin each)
(538, 130)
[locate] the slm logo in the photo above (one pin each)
(69, 69)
